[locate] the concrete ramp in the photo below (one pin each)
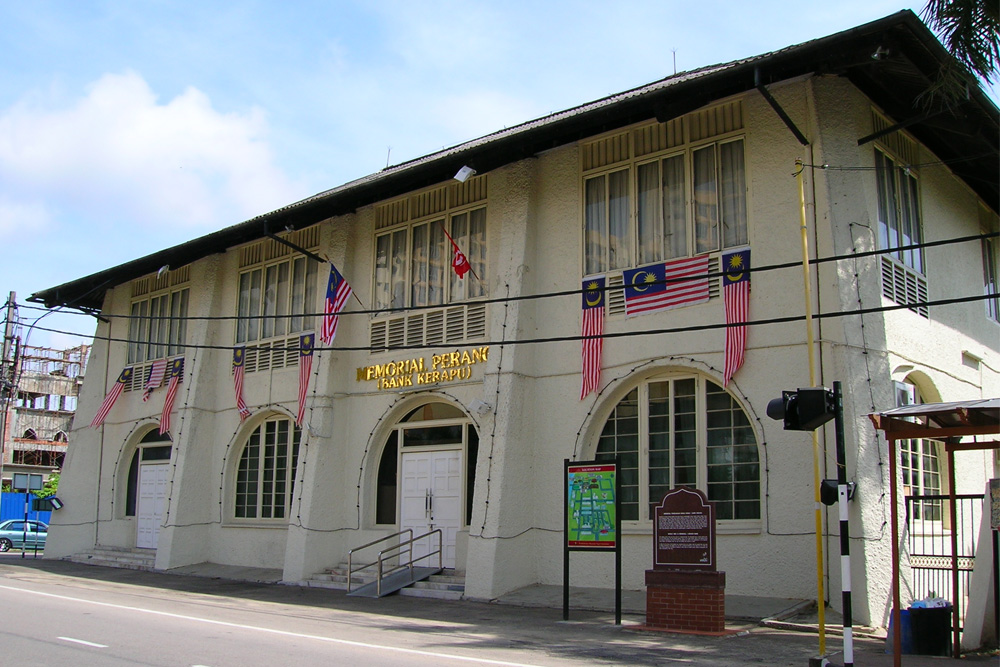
(394, 581)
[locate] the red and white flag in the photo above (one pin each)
(593, 326)
(306, 342)
(176, 376)
(459, 262)
(155, 379)
(112, 396)
(337, 294)
(239, 357)
(736, 293)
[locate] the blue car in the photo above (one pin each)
(13, 534)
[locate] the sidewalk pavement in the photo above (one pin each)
(764, 631)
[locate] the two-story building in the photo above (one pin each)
(452, 403)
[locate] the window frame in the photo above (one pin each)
(264, 315)
(891, 232)
(163, 335)
(254, 490)
(991, 278)
(719, 237)
(409, 275)
(701, 435)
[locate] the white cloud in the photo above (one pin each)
(119, 155)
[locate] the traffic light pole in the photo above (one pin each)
(845, 535)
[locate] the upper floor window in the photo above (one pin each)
(991, 286)
(158, 325)
(274, 297)
(683, 431)
(413, 262)
(687, 203)
(898, 211)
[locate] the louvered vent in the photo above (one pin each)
(605, 151)
(455, 324)
(279, 353)
(904, 147)
(904, 286)
(616, 297)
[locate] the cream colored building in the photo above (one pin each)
(465, 401)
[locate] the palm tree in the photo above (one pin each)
(969, 30)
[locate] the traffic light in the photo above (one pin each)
(804, 409)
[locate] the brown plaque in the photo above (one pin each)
(684, 531)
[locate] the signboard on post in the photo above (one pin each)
(591, 512)
(592, 521)
(684, 531)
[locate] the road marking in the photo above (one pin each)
(80, 641)
(257, 628)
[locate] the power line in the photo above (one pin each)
(547, 295)
(560, 339)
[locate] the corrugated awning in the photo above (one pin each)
(940, 421)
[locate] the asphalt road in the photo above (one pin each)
(59, 613)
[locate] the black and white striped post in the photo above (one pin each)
(845, 533)
(806, 409)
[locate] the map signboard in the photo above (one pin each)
(591, 509)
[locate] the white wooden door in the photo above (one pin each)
(431, 498)
(151, 504)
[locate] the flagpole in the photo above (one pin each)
(310, 255)
(455, 247)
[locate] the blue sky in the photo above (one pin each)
(128, 126)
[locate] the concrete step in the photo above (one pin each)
(120, 557)
(448, 586)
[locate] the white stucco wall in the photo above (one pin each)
(536, 420)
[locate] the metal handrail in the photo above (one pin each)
(399, 547)
(350, 554)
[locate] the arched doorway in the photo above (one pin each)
(426, 475)
(146, 487)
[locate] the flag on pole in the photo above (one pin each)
(155, 378)
(459, 262)
(112, 396)
(306, 343)
(736, 293)
(593, 325)
(176, 376)
(239, 357)
(679, 282)
(337, 294)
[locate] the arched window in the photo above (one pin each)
(919, 464)
(61, 437)
(30, 434)
(683, 430)
(265, 476)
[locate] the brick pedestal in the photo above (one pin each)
(686, 601)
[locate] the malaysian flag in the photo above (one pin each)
(112, 396)
(593, 325)
(155, 378)
(337, 294)
(239, 357)
(176, 375)
(306, 342)
(679, 282)
(736, 292)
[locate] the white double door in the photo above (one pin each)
(431, 499)
(152, 501)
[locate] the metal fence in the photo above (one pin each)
(928, 520)
(12, 507)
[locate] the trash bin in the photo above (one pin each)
(905, 634)
(930, 630)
